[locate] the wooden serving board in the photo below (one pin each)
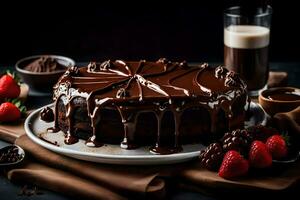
(10, 132)
(276, 181)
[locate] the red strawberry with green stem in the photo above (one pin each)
(9, 88)
(276, 145)
(9, 112)
(259, 156)
(233, 165)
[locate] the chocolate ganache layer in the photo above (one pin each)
(161, 104)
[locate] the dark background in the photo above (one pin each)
(85, 31)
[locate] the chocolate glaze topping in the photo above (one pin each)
(136, 87)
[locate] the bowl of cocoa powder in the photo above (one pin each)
(41, 72)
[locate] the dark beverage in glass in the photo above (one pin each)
(246, 41)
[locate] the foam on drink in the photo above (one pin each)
(246, 36)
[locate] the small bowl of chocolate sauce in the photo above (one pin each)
(280, 99)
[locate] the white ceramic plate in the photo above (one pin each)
(113, 154)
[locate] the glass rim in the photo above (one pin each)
(268, 12)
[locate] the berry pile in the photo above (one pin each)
(11, 107)
(239, 150)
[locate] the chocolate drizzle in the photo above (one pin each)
(129, 121)
(136, 87)
(221, 72)
(45, 140)
(232, 79)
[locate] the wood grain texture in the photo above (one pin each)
(10, 132)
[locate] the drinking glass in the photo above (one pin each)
(246, 42)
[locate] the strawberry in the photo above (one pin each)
(233, 165)
(9, 88)
(9, 112)
(277, 147)
(259, 156)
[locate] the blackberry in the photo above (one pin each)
(261, 133)
(238, 140)
(211, 157)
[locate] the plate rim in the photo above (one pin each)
(111, 157)
(35, 138)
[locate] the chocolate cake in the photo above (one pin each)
(159, 104)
